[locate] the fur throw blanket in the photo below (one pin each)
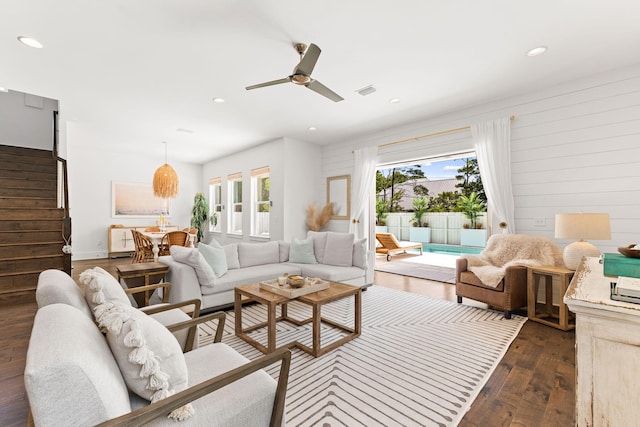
(505, 250)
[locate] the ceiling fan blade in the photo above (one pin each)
(318, 87)
(271, 83)
(308, 61)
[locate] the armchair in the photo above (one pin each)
(498, 276)
(73, 375)
(71, 378)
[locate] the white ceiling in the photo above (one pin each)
(135, 71)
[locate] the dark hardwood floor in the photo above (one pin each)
(533, 385)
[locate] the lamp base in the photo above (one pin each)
(574, 252)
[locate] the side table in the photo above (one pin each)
(143, 274)
(548, 317)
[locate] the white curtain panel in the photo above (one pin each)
(363, 178)
(492, 141)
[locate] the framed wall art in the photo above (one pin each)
(339, 193)
(136, 200)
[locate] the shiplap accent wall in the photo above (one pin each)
(575, 148)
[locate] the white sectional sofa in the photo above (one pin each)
(334, 256)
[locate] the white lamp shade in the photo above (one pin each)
(583, 226)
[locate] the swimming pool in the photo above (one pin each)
(450, 249)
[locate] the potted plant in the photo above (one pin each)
(381, 216)
(472, 207)
(199, 214)
(420, 231)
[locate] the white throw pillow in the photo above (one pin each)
(231, 252)
(101, 287)
(214, 243)
(193, 258)
(319, 242)
(360, 253)
(251, 254)
(148, 355)
(215, 257)
(285, 248)
(302, 251)
(338, 249)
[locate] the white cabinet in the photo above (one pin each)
(120, 241)
(607, 350)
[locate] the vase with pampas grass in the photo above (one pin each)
(318, 218)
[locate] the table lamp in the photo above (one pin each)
(581, 226)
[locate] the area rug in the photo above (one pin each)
(420, 271)
(419, 361)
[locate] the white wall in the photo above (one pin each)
(293, 175)
(302, 184)
(26, 120)
(91, 173)
(575, 148)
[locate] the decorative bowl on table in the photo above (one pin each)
(295, 281)
(630, 251)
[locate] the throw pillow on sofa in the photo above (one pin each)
(338, 249)
(148, 355)
(301, 251)
(101, 287)
(216, 258)
(251, 254)
(319, 242)
(360, 253)
(193, 258)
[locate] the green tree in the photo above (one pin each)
(420, 190)
(470, 180)
(200, 213)
(381, 211)
(471, 206)
(419, 209)
(388, 179)
(444, 202)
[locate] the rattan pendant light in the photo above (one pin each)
(165, 180)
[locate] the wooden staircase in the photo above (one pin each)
(32, 225)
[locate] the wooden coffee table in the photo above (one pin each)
(316, 300)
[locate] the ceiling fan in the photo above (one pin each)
(302, 73)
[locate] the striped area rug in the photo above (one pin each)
(419, 361)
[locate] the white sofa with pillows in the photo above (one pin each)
(210, 272)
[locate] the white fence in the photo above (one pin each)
(445, 226)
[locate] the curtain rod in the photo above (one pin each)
(442, 132)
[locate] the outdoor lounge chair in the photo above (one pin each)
(390, 245)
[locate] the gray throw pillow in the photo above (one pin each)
(338, 249)
(301, 251)
(193, 258)
(215, 257)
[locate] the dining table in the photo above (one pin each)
(156, 239)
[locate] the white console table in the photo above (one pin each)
(607, 350)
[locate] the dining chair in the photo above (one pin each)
(144, 247)
(178, 238)
(152, 229)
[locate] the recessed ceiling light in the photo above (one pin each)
(536, 51)
(394, 100)
(31, 42)
(4, 89)
(218, 100)
(312, 128)
(184, 130)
